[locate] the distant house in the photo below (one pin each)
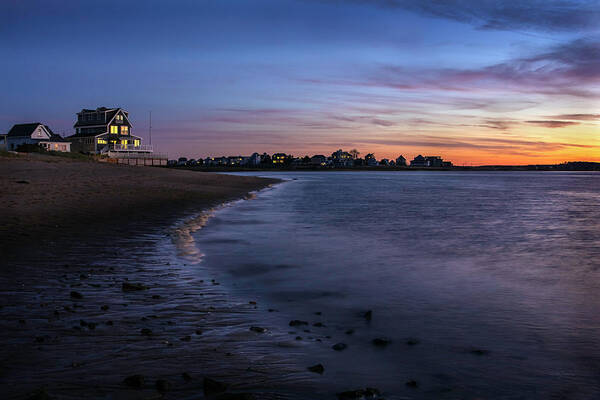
(35, 133)
(370, 160)
(419, 162)
(103, 130)
(2, 141)
(318, 160)
(279, 158)
(401, 161)
(253, 160)
(342, 159)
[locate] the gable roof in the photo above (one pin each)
(110, 114)
(25, 129)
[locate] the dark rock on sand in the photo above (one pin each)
(258, 329)
(368, 315)
(349, 331)
(412, 383)
(319, 369)
(319, 324)
(186, 338)
(146, 332)
(381, 341)
(297, 322)
(104, 307)
(235, 396)
(109, 323)
(339, 346)
(212, 387)
(132, 287)
(162, 385)
(76, 295)
(198, 332)
(156, 296)
(368, 393)
(412, 341)
(134, 381)
(479, 352)
(186, 377)
(40, 394)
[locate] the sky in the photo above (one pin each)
(476, 82)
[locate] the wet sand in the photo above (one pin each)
(73, 238)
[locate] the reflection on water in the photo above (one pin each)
(486, 283)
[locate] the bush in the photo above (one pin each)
(31, 148)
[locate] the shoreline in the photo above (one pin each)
(70, 327)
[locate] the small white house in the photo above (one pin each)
(35, 133)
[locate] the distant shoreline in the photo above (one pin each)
(589, 167)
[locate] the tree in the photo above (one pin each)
(355, 153)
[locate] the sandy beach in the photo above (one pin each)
(90, 310)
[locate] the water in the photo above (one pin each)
(495, 275)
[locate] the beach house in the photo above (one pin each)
(401, 161)
(35, 133)
(105, 130)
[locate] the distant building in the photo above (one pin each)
(401, 161)
(254, 160)
(384, 161)
(318, 160)
(2, 141)
(103, 130)
(429, 162)
(279, 158)
(35, 133)
(370, 160)
(342, 159)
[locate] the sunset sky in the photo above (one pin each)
(477, 82)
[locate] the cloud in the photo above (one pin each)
(553, 123)
(576, 117)
(528, 15)
(569, 69)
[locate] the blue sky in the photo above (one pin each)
(477, 82)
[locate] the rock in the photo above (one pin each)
(297, 322)
(318, 313)
(368, 315)
(109, 323)
(319, 369)
(104, 308)
(146, 332)
(252, 303)
(235, 396)
(83, 323)
(186, 338)
(412, 383)
(162, 385)
(349, 331)
(479, 352)
(212, 387)
(134, 381)
(367, 393)
(198, 332)
(298, 337)
(412, 341)
(92, 325)
(339, 346)
(156, 296)
(39, 394)
(319, 324)
(381, 341)
(76, 295)
(132, 287)
(22, 322)
(272, 310)
(186, 377)
(23, 182)
(258, 329)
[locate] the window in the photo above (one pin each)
(114, 129)
(136, 143)
(124, 142)
(102, 141)
(119, 117)
(124, 130)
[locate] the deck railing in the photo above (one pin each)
(130, 147)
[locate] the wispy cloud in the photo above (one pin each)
(576, 117)
(553, 123)
(529, 15)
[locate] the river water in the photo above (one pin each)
(487, 285)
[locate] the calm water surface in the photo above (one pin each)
(495, 275)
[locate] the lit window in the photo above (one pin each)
(102, 141)
(124, 142)
(136, 143)
(124, 130)
(114, 129)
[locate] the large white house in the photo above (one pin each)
(35, 133)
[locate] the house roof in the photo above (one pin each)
(110, 113)
(25, 129)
